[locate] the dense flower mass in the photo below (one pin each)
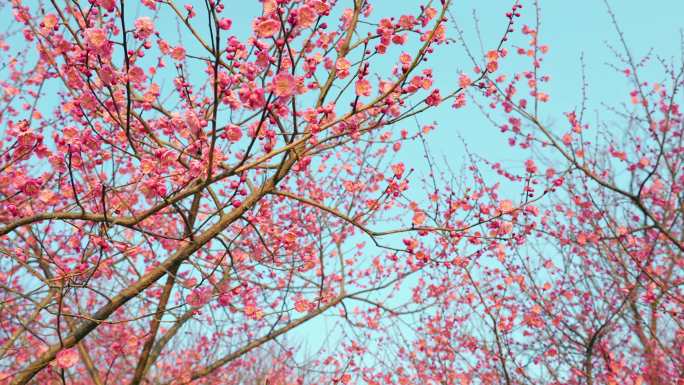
(184, 188)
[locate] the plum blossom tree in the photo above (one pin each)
(171, 205)
(595, 295)
(181, 190)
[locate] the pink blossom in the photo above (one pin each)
(405, 58)
(543, 97)
(233, 133)
(398, 169)
(284, 85)
(199, 296)
(178, 53)
(67, 358)
(31, 187)
(302, 305)
(269, 6)
(50, 21)
(225, 24)
(460, 101)
(419, 217)
(267, 28)
(505, 206)
(363, 87)
(342, 66)
(464, 80)
(433, 99)
(306, 16)
(137, 74)
(109, 5)
(96, 37)
(144, 27)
